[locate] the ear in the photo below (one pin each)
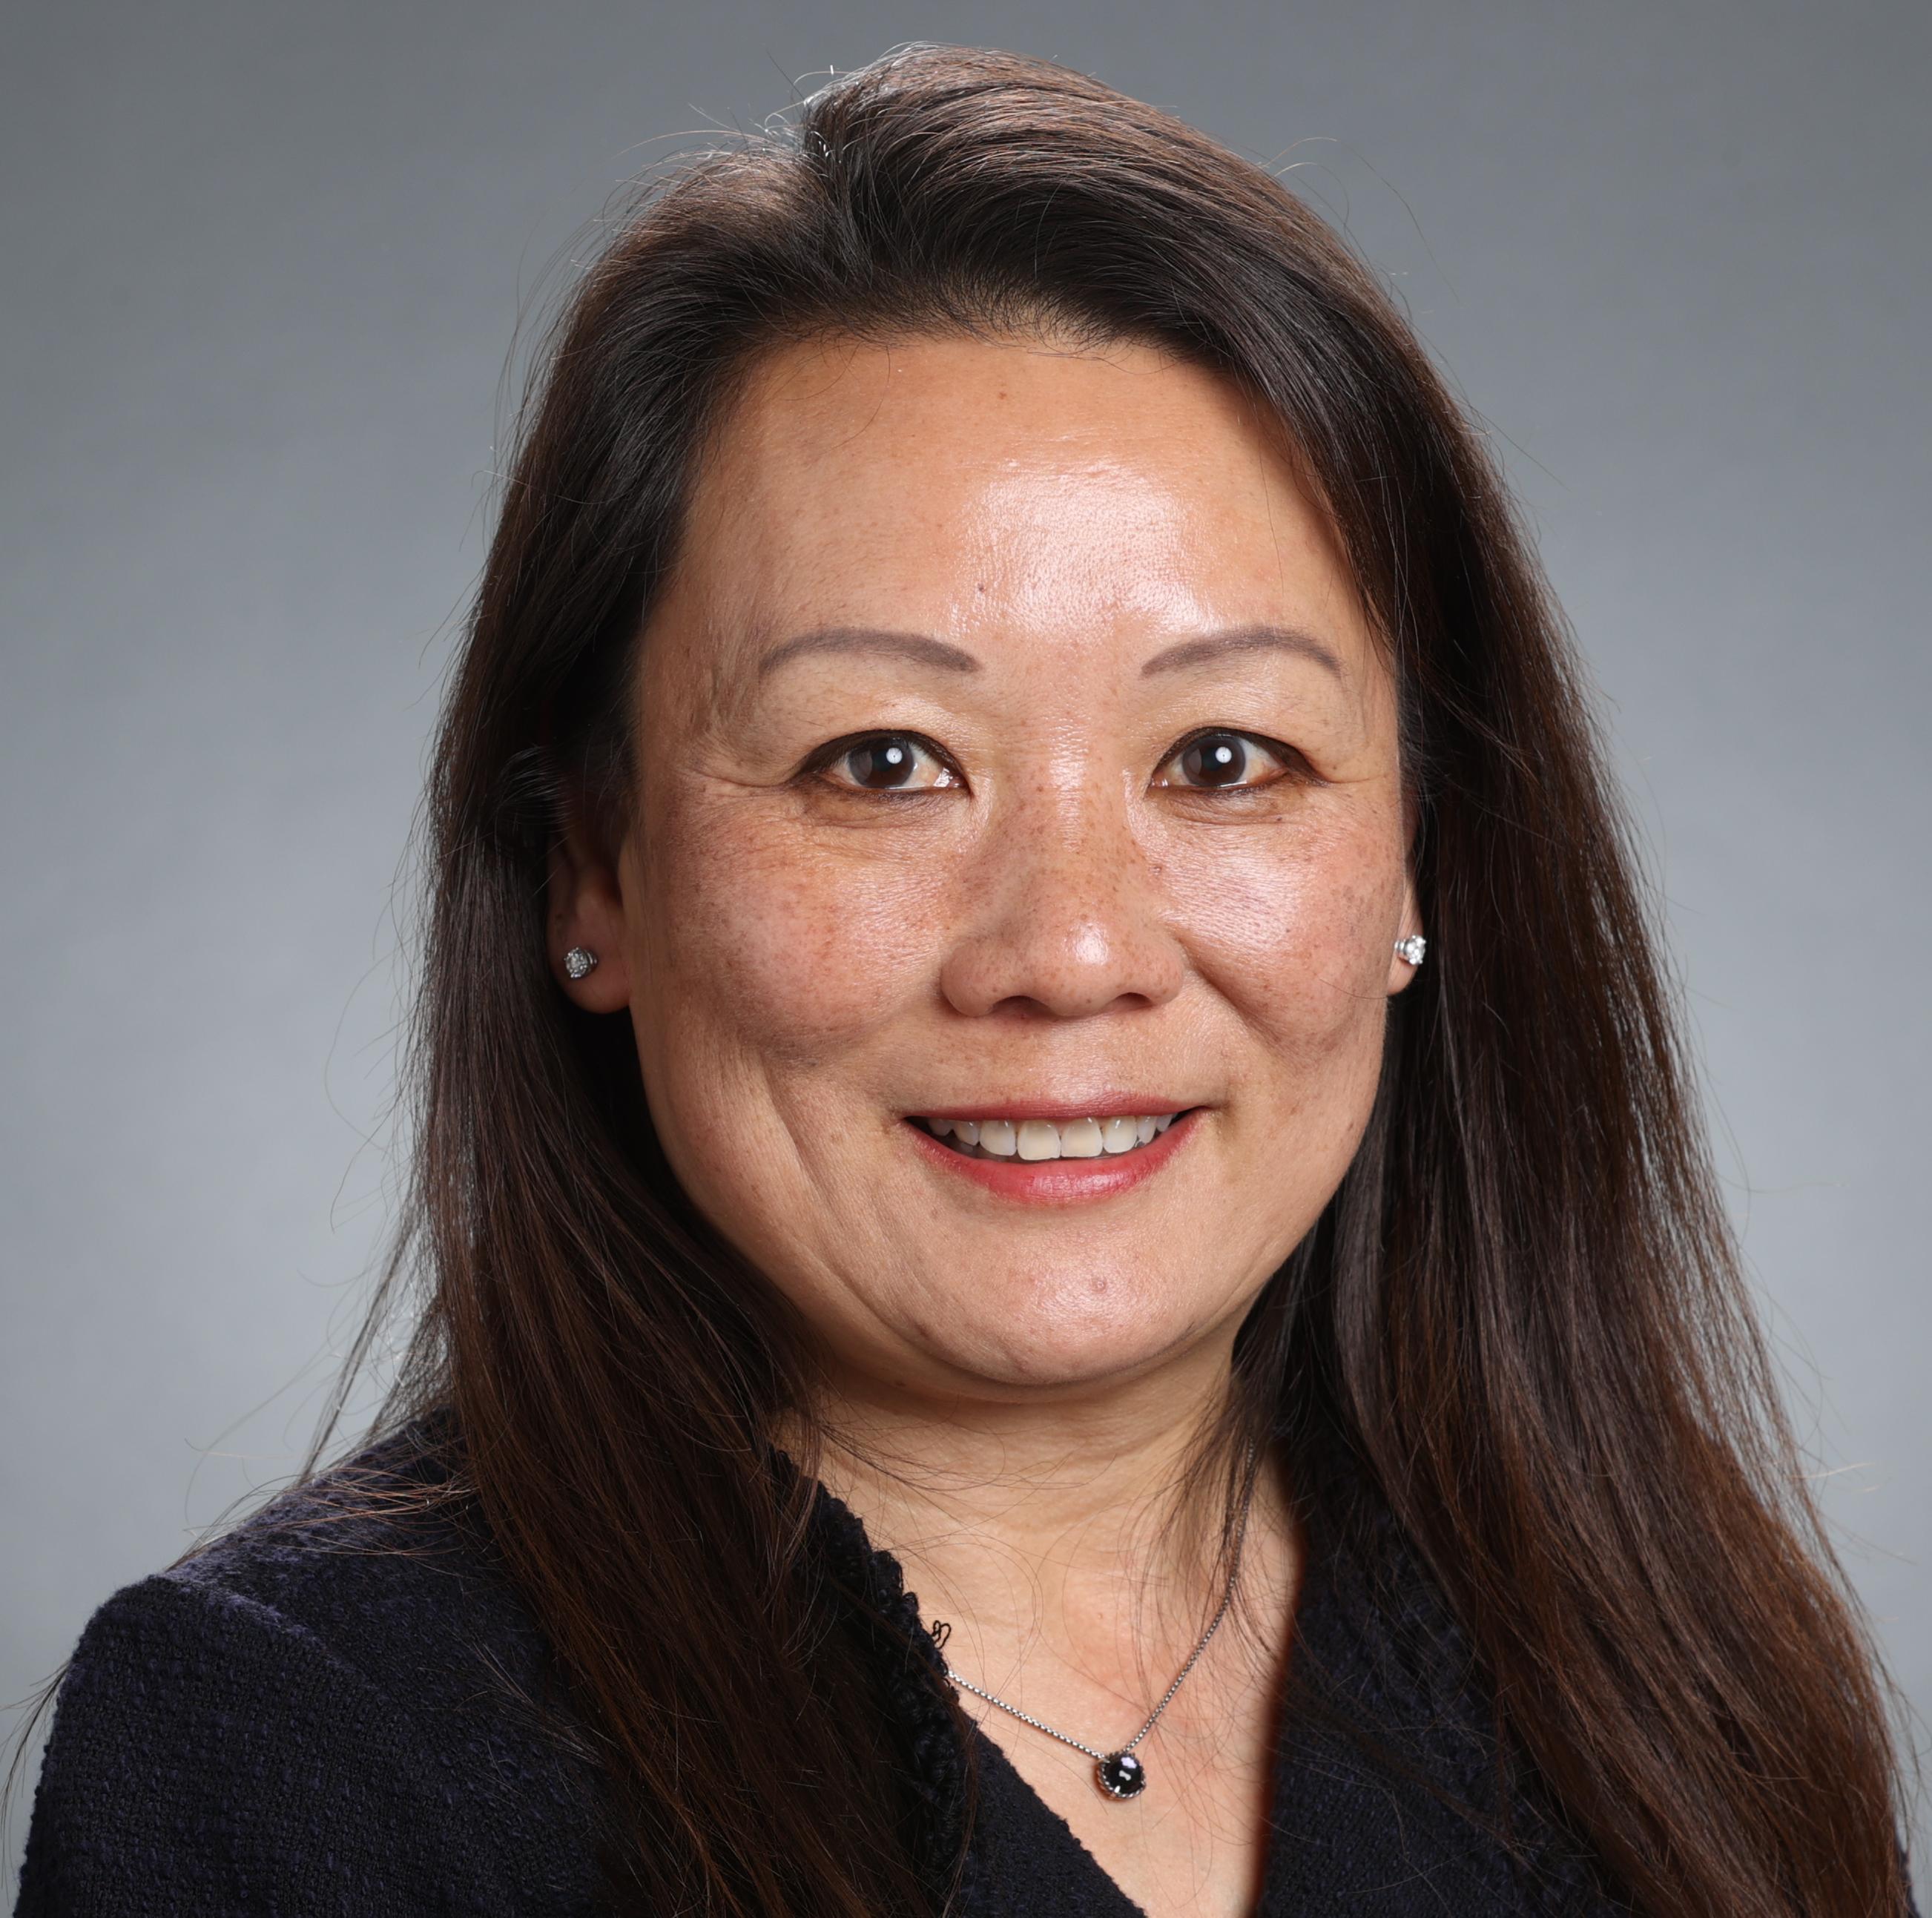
(1400, 971)
(587, 908)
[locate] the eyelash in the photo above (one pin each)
(1295, 767)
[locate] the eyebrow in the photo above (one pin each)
(1243, 639)
(921, 649)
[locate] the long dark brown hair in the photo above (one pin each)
(1522, 1307)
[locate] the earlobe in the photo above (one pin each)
(590, 966)
(585, 929)
(1411, 945)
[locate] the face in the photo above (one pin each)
(1012, 747)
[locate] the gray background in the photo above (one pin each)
(263, 265)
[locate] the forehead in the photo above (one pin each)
(1014, 494)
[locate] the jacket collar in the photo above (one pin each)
(1387, 1697)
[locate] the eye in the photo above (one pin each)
(1218, 760)
(881, 763)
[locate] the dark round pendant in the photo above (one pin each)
(1121, 1774)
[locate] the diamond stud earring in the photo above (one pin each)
(1412, 948)
(579, 962)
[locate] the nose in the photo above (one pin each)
(1067, 919)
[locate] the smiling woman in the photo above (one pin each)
(1035, 988)
(1074, 794)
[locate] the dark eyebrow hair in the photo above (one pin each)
(1243, 639)
(920, 648)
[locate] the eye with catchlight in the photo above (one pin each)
(886, 764)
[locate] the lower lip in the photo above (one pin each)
(1059, 1181)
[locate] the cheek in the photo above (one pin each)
(1291, 924)
(793, 945)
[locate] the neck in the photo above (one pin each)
(1084, 1525)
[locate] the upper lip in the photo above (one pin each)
(1062, 1111)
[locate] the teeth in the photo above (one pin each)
(1036, 1139)
(1039, 1139)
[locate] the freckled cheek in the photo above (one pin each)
(800, 947)
(1292, 928)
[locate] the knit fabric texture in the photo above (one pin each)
(329, 1712)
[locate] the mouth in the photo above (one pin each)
(1071, 1159)
(1042, 1141)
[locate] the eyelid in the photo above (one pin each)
(818, 766)
(1294, 765)
(820, 762)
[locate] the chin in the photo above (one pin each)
(1070, 1333)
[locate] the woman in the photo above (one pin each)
(1070, 1267)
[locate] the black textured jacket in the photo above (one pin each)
(332, 1718)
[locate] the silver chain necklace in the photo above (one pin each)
(1119, 1773)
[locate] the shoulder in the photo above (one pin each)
(1395, 1724)
(383, 1564)
(340, 1705)
(1393, 1728)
